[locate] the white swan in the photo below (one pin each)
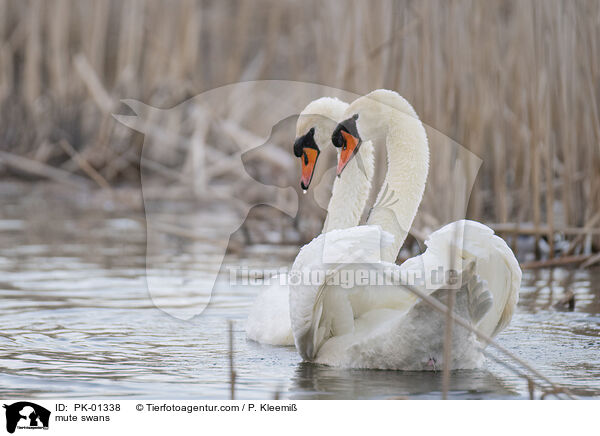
(269, 318)
(385, 327)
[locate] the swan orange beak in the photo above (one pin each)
(309, 161)
(349, 149)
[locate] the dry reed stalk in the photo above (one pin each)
(528, 230)
(59, 43)
(3, 18)
(593, 260)
(531, 389)
(130, 41)
(93, 84)
(6, 72)
(42, 170)
(579, 239)
(198, 160)
(535, 175)
(85, 166)
(192, 17)
(33, 61)
(517, 83)
(232, 373)
(273, 30)
(238, 40)
(96, 46)
(448, 345)
(557, 261)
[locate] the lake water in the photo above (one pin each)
(76, 321)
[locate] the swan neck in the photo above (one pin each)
(351, 191)
(402, 189)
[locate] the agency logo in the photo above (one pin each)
(231, 149)
(26, 415)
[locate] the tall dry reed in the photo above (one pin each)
(516, 82)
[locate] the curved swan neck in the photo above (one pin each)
(351, 191)
(407, 167)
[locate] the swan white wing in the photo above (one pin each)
(269, 318)
(465, 241)
(324, 298)
(386, 326)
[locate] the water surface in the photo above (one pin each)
(76, 320)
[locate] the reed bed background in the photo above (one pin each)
(515, 82)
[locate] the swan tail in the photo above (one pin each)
(503, 273)
(495, 292)
(514, 284)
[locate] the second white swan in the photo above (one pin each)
(269, 318)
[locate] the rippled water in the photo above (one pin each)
(76, 320)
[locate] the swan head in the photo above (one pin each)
(308, 151)
(313, 133)
(346, 137)
(367, 119)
